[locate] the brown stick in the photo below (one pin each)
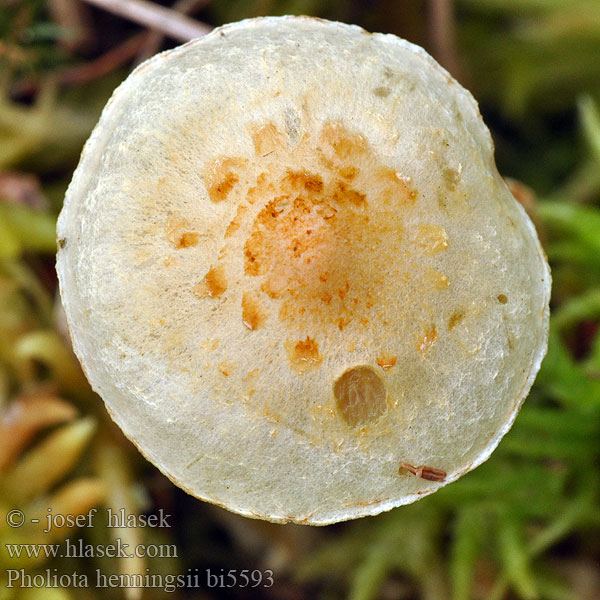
(155, 38)
(423, 472)
(111, 60)
(441, 36)
(156, 17)
(73, 16)
(90, 71)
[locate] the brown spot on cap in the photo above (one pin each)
(300, 180)
(435, 279)
(236, 222)
(455, 319)
(220, 190)
(451, 178)
(267, 139)
(315, 230)
(345, 145)
(326, 297)
(187, 240)
(343, 193)
(382, 92)
(428, 340)
(178, 233)
(360, 396)
(225, 367)
(251, 314)
(221, 176)
(502, 298)
(432, 238)
(386, 362)
(304, 354)
(349, 173)
(394, 188)
(214, 283)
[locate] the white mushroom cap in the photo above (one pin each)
(293, 273)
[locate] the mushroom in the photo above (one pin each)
(293, 273)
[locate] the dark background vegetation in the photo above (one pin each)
(525, 525)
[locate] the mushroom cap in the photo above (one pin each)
(293, 273)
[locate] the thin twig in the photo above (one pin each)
(111, 60)
(108, 62)
(156, 17)
(72, 16)
(441, 35)
(156, 38)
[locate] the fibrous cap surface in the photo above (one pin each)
(293, 273)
